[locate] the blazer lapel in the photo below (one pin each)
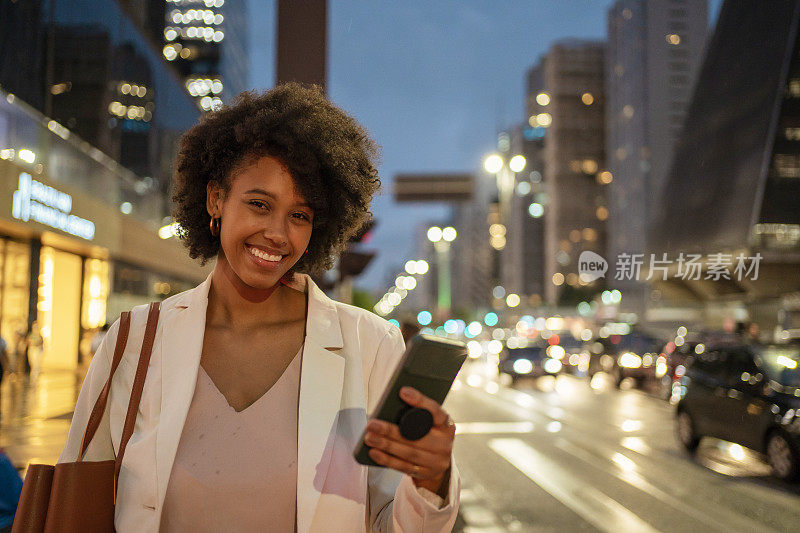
(181, 348)
(321, 382)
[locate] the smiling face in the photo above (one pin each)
(266, 224)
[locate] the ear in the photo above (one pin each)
(214, 198)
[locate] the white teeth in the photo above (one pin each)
(263, 255)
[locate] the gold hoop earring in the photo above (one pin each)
(214, 225)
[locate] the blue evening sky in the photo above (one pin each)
(433, 82)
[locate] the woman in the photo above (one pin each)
(259, 385)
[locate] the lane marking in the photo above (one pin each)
(710, 516)
(494, 427)
(587, 502)
(525, 406)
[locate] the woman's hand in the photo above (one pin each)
(426, 460)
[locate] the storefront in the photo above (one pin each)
(69, 263)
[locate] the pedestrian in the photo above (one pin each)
(5, 362)
(35, 350)
(259, 385)
(10, 490)
(98, 338)
(5, 366)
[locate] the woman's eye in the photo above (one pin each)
(302, 216)
(259, 204)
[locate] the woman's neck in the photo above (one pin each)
(231, 301)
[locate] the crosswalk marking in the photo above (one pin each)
(587, 502)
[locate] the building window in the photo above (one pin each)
(792, 134)
(787, 165)
(793, 88)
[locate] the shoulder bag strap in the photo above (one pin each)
(100, 405)
(138, 385)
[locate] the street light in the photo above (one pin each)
(493, 164)
(517, 163)
(441, 239)
(434, 234)
(505, 174)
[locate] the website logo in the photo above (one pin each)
(591, 266)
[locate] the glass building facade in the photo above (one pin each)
(87, 139)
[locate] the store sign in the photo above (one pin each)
(41, 203)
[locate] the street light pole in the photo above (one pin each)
(505, 175)
(441, 239)
(443, 278)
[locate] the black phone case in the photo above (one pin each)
(430, 365)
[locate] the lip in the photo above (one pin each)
(263, 263)
(266, 249)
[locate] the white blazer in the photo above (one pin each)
(348, 356)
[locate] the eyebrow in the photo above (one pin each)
(270, 195)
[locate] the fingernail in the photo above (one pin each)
(375, 425)
(409, 393)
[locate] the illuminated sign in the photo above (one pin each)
(41, 203)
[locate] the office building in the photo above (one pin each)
(570, 107)
(653, 53)
(206, 40)
(87, 184)
(733, 186)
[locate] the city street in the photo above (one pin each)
(560, 455)
(554, 454)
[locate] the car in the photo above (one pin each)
(527, 361)
(575, 355)
(633, 355)
(748, 394)
(671, 362)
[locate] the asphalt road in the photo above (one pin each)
(563, 455)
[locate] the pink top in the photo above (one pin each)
(236, 471)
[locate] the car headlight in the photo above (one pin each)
(552, 366)
(523, 366)
(630, 360)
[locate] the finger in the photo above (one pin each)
(415, 471)
(416, 399)
(437, 440)
(436, 462)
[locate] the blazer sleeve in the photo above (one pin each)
(101, 448)
(395, 504)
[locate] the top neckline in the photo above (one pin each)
(263, 395)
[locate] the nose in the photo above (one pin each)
(276, 232)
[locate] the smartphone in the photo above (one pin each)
(430, 365)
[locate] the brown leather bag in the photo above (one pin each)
(80, 496)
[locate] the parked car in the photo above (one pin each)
(625, 356)
(528, 361)
(748, 394)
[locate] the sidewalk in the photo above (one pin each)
(35, 416)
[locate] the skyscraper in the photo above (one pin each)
(733, 186)
(653, 54)
(570, 109)
(206, 40)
